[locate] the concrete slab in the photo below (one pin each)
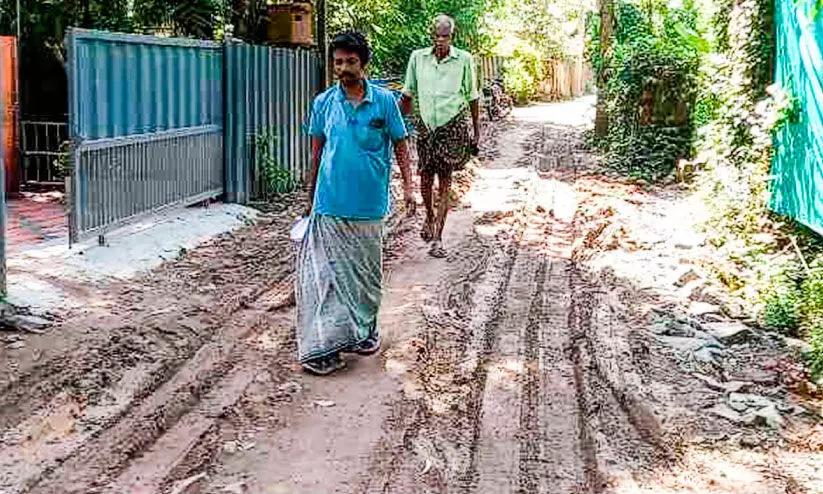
(51, 277)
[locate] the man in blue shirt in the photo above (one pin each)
(355, 127)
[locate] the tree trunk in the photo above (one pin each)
(601, 119)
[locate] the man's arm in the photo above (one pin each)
(397, 132)
(409, 87)
(401, 152)
(475, 108)
(318, 141)
(317, 144)
(473, 95)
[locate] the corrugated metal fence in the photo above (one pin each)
(149, 119)
(268, 96)
(145, 120)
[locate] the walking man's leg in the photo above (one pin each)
(426, 186)
(443, 202)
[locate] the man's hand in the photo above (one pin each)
(475, 141)
(406, 105)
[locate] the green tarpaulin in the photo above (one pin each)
(797, 190)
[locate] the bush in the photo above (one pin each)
(646, 152)
(523, 72)
(782, 298)
(816, 355)
(270, 179)
(650, 86)
(519, 82)
(811, 291)
(812, 314)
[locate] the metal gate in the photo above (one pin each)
(41, 150)
(145, 124)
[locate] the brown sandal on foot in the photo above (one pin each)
(325, 365)
(437, 251)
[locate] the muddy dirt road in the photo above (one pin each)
(525, 362)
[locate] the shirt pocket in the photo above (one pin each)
(369, 137)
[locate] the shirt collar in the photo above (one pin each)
(452, 53)
(368, 97)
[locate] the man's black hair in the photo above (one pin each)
(355, 42)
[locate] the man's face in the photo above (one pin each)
(442, 39)
(347, 66)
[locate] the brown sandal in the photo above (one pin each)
(325, 365)
(437, 251)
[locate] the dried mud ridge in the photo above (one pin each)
(73, 421)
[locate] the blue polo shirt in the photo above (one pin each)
(355, 170)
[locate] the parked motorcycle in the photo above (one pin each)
(497, 101)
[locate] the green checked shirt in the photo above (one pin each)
(443, 88)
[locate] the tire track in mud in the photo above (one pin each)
(165, 328)
(530, 455)
(547, 409)
(497, 454)
(100, 459)
(586, 418)
(487, 334)
(594, 482)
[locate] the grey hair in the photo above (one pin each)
(441, 20)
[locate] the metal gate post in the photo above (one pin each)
(74, 152)
(2, 198)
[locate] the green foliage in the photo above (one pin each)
(811, 303)
(737, 113)
(812, 314)
(45, 21)
(195, 18)
(781, 300)
(519, 81)
(550, 28)
(734, 147)
(646, 152)
(62, 165)
(270, 178)
(523, 72)
(397, 27)
(553, 28)
(651, 76)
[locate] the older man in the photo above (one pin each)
(442, 78)
(354, 128)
